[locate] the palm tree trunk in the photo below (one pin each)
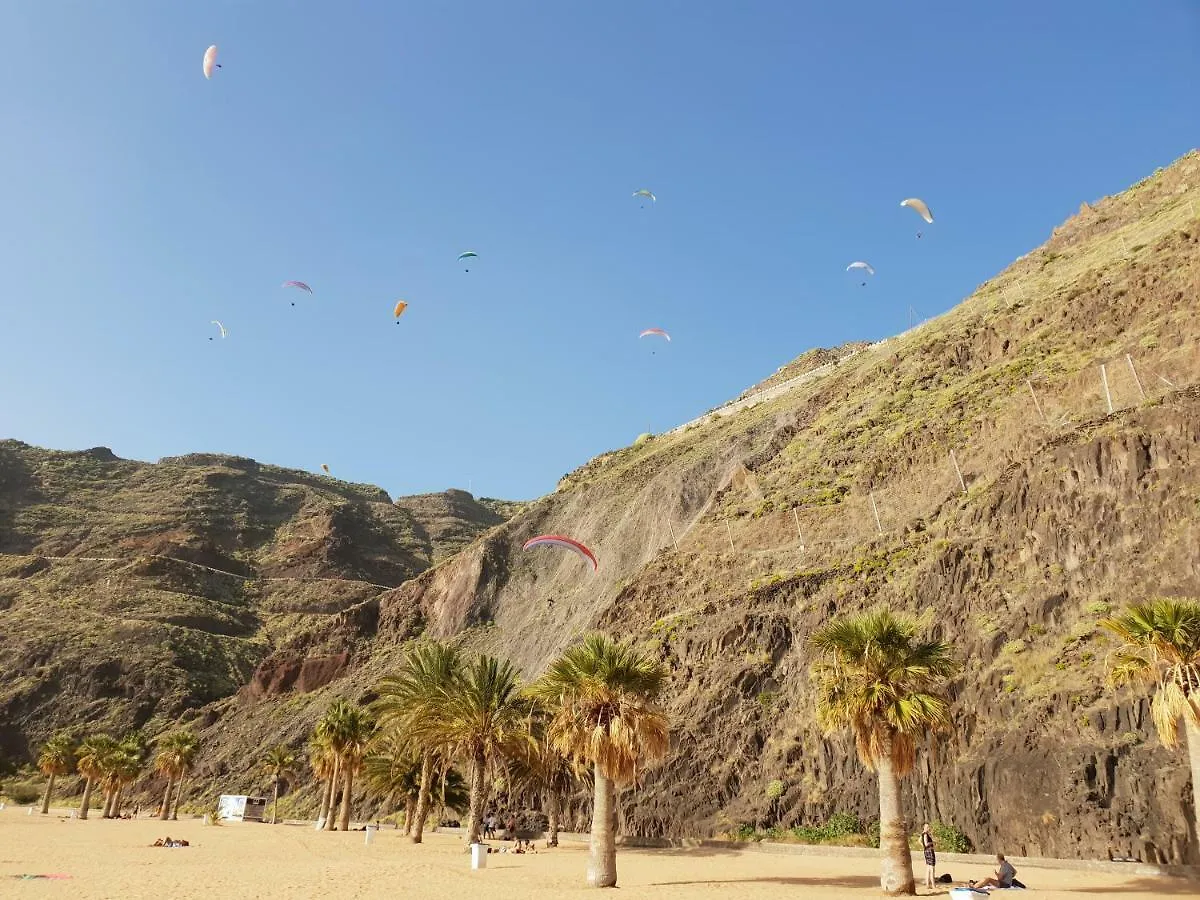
(165, 812)
(116, 806)
(87, 799)
(1192, 728)
(409, 805)
(347, 793)
(897, 875)
(423, 796)
(331, 819)
(178, 794)
(49, 791)
(478, 797)
(110, 794)
(552, 815)
(602, 867)
(275, 800)
(323, 812)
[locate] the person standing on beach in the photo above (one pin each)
(930, 856)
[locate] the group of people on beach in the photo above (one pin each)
(494, 823)
(1005, 875)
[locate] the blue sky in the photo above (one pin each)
(362, 146)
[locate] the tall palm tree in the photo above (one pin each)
(540, 768)
(55, 759)
(91, 760)
(280, 765)
(392, 772)
(175, 755)
(321, 761)
(478, 718)
(122, 765)
(329, 733)
(603, 701)
(888, 687)
(356, 729)
(1161, 648)
(408, 696)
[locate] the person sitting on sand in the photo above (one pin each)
(158, 843)
(1005, 873)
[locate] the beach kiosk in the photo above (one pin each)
(241, 808)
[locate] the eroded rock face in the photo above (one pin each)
(721, 548)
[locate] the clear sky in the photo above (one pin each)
(361, 146)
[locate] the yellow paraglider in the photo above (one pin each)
(401, 306)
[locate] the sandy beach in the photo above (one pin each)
(108, 859)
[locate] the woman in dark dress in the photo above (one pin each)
(930, 856)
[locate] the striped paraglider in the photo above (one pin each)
(566, 543)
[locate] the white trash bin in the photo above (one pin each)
(479, 856)
(371, 829)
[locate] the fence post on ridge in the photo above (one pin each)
(958, 472)
(1136, 380)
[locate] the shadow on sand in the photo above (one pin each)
(1166, 886)
(853, 881)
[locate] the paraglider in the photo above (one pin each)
(297, 284)
(222, 327)
(401, 306)
(470, 254)
(643, 193)
(210, 61)
(557, 540)
(861, 265)
(918, 206)
(325, 467)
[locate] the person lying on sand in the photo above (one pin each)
(1003, 877)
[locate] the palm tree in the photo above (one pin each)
(55, 759)
(888, 687)
(356, 729)
(602, 697)
(392, 772)
(1162, 649)
(347, 728)
(479, 717)
(174, 758)
(408, 696)
(321, 761)
(329, 735)
(280, 764)
(543, 770)
(91, 760)
(121, 765)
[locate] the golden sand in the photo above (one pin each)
(113, 859)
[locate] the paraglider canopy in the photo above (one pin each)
(918, 206)
(297, 284)
(861, 265)
(645, 195)
(469, 254)
(325, 467)
(219, 325)
(558, 540)
(401, 306)
(210, 61)
(655, 331)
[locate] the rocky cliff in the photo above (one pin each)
(1007, 472)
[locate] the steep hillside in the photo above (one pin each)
(727, 543)
(452, 519)
(1008, 472)
(131, 591)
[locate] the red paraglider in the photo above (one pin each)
(557, 540)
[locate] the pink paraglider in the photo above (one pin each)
(557, 540)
